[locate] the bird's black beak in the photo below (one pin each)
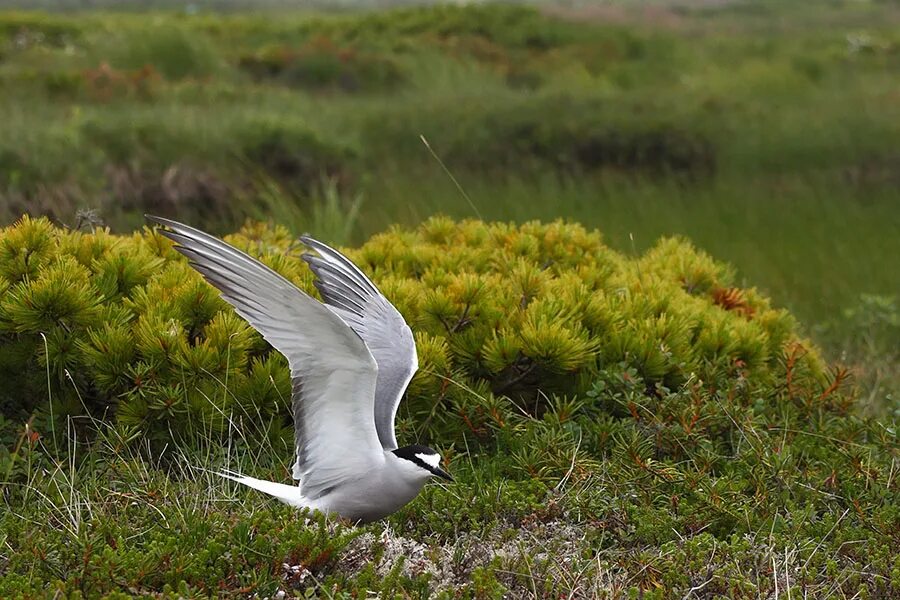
(442, 474)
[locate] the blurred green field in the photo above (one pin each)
(766, 132)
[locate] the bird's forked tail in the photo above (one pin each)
(289, 494)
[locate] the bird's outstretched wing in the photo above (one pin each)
(353, 296)
(332, 370)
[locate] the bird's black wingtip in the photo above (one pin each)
(157, 220)
(311, 242)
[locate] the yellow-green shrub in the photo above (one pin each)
(505, 316)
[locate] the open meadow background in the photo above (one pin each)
(765, 133)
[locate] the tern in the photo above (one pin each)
(351, 359)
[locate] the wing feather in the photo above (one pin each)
(333, 372)
(353, 297)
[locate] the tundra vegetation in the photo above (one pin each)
(624, 412)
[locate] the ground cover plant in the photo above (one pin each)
(616, 425)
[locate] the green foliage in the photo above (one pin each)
(322, 65)
(558, 132)
(496, 86)
(505, 317)
(638, 424)
(175, 52)
(290, 151)
(632, 494)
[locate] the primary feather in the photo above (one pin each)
(359, 303)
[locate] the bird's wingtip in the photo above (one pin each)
(156, 220)
(311, 242)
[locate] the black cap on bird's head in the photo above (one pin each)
(424, 457)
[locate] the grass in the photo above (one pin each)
(608, 520)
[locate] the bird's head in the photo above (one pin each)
(421, 461)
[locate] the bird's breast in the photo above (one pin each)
(371, 496)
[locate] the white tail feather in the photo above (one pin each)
(289, 494)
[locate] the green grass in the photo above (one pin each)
(756, 499)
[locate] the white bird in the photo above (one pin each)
(351, 359)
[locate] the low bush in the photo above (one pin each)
(511, 26)
(285, 149)
(23, 30)
(290, 152)
(562, 133)
(175, 52)
(152, 162)
(506, 319)
(322, 65)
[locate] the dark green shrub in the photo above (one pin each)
(290, 152)
(175, 52)
(132, 164)
(515, 27)
(23, 30)
(63, 84)
(169, 168)
(560, 132)
(151, 166)
(504, 316)
(322, 65)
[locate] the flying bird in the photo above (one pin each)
(351, 358)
